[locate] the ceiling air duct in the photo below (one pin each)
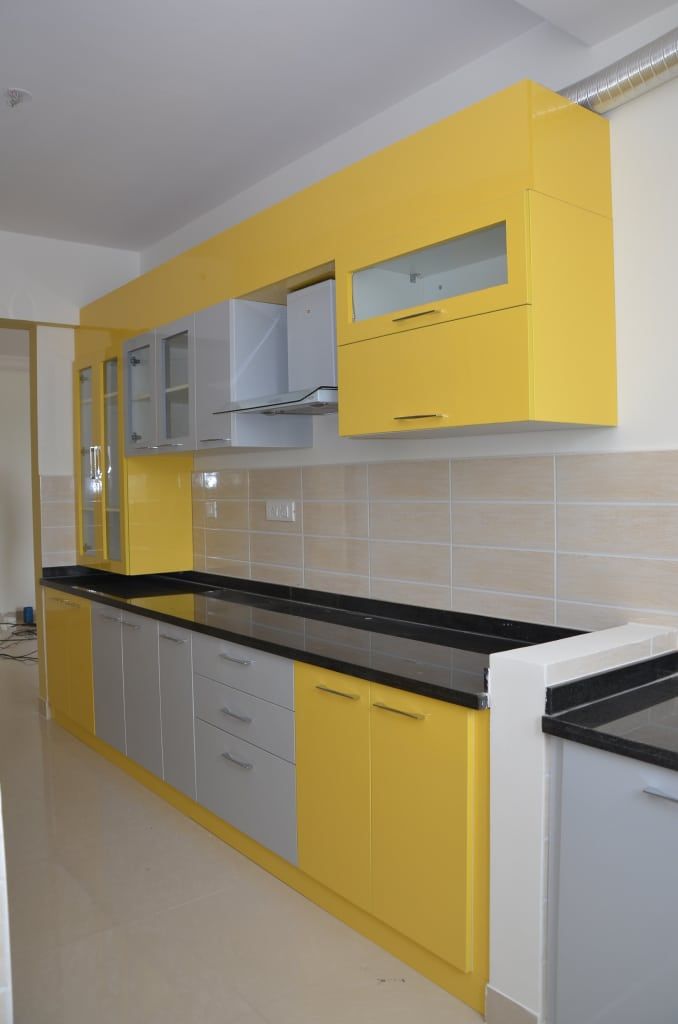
(640, 71)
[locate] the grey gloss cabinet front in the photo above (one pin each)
(142, 691)
(109, 700)
(176, 701)
(248, 787)
(613, 956)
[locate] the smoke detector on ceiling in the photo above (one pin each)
(15, 97)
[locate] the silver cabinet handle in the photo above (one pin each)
(422, 416)
(337, 693)
(173, 639)
(653, 791)
(234, 760)
(236, 661)
(413, 316)
(112, 618)
(170, 444)
(130, 625)
(399, 711)
(239, 718)
(205, 440)
(69, 604)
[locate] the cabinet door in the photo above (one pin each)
(421, 841)
(81, 687)
(89, 468)
(56, 630)
(109, 701)
(142, 691)
(471, 263)
(175, 345)
(112, 465)
(140, 394)
(212, 381)
(468, 372)
(333, 780)
(176, 700)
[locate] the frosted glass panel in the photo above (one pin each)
(175, 358)
(469, 263)
(176, 413)
(113, 534)
(140, 398)
(175, 384)
(111, 454)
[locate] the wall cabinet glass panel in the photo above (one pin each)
(175, 391)
(112, 463)
(89, 468)
(140, 390)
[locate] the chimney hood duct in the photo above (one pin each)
(640, 71)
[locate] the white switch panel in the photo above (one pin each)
(211, 509)
(281, 511)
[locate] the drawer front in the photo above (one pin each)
(265, 725)
(176, 704)
(256, 796)
(263, 675)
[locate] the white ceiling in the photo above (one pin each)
(148, 113)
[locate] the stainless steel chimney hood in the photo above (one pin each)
(311, 360)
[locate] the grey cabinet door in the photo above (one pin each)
(175, 396)
(258, 721)
(109, 701)
(264, 675)
(613, 954)
(176, 702)
(248, 787)
(142, 691)
(141, 426)
(212, 381)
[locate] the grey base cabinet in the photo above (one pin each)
(176, 707)
(109, 699)
(613, 955)
(142, 691)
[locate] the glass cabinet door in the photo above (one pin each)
(90, 469)
(175, 385)
(112, 462)
(468, 263)
(140, 423)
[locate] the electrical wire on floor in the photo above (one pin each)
(21, 634)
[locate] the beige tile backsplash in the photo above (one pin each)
(587, 541)
(57, 513)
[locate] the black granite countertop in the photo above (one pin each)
(631, 711)
(436, 653)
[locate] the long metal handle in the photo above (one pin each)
(91, 463)
(422, 416)
(205, 440)
(69, 604)
(130, 625)
(236, 661)
(98, 475)
(413, 316)
(653, 791)
(399, 711)
(111, 618)
(239, 718)
(338, 693)
(234, 760)
(170, 444)
(173, 639)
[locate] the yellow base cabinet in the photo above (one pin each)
(68, 638)
(392, 797)
(333, 769)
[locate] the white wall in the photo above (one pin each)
(48, 280)
(16, 528)
(55, 350)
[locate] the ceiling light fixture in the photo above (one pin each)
(14, 97)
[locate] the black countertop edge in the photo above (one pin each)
(477, 701)
(567, 730)
(565, 696)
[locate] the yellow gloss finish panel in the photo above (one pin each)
(422, 821)
(497, 147)
(470, 371)
(333, 780)
(68, 639)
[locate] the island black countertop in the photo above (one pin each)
(435, 653)
(631, 711)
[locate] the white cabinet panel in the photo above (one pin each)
(248, 787)
(264, 675)
(142, 691)
(109, 701)
(258, 721)
(176, 701)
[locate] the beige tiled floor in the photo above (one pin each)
(124, 911)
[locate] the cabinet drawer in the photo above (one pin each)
(251, 789)
(256, 672)
(471, 371)
(258, 721)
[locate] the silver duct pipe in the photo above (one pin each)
(640, 71)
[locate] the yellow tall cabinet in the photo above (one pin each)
(68, 630)
(134, 514)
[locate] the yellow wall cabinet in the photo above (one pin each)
(134, 515)
(68, 631)
(392, 810)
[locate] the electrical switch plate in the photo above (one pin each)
(211, 509)
(281, 511)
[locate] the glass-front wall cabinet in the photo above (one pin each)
(90, 471)
(112, 462)
(140, 392)
(175, 385)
